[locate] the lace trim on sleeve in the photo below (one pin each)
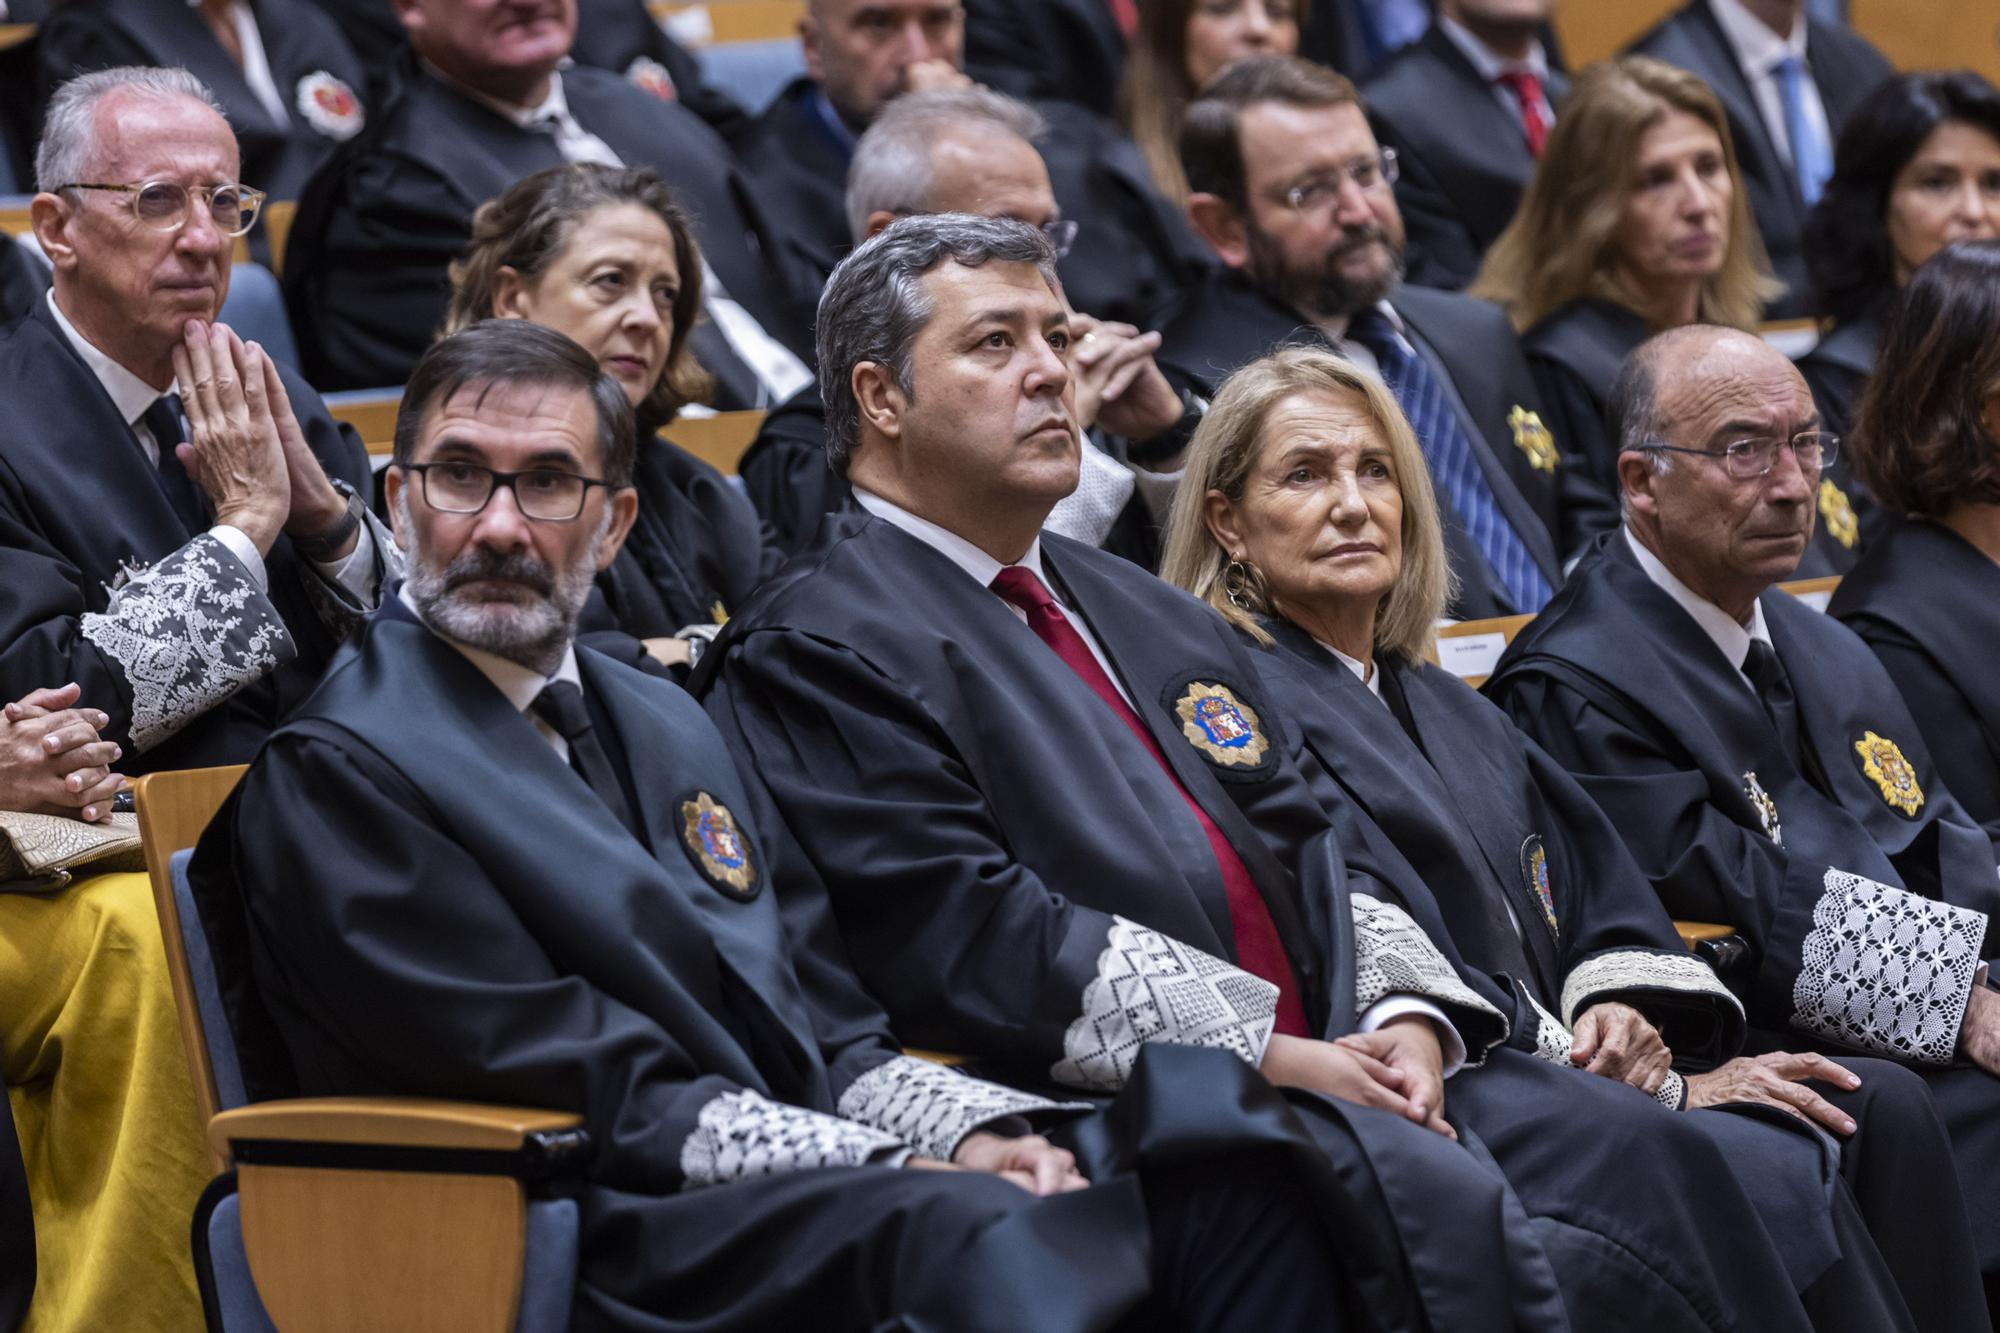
(1393, 956)
(1152, 988)
(744, 1133)
(188, 633)
(1606, 974)
(931, 1107)
(1553, 1042)
(1886, 970)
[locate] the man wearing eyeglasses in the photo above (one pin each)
(1293, 194)
(179, 529)
(1754, 754)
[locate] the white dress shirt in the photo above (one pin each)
(1758, 50)
(256, 64)
(1491, 65)
(521, 684)
(1729, 635)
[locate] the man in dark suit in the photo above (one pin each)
(1069, 51)
(483, 103)
(1467, 109)
(1292, 192)
(1133, 254)
(1789, 81)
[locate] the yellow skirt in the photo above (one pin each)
(91, 1055)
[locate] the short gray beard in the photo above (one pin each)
(534, 635)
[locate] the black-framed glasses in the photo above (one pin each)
(545, 494)
(1370, 173)
(163, 205)
(1753, 457)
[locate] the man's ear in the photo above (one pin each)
(394, 479)
(53, 217)
(624, 509)
(1219, 224)
(810, 36)
(877, 220)
(878, 399)
(1635, 485)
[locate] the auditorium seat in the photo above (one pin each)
(382, 1213)
(753, 72)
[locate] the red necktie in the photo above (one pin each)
(1126, 14)
(1527, 90)
(1258, 948)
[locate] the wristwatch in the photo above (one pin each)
(327, 545)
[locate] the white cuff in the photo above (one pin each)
(1401, 1006)
(239, 545)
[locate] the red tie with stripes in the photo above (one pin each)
(1527, 90)
(1258, 949)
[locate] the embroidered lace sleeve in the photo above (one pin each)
(1606, 976)
(931, 1107)
(1886, 970)
(1152, 988)
(744, 1133)
(1393, 956)
(188, 632)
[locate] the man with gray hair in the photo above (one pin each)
(1755, 756)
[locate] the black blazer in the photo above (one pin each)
(1464, 163)
(1227, 323)
(1845, 69)
(323, 83)
(380, 221)
(1057, 50)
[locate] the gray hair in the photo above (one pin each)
(874, 305)
(892, 171)
(69, 127)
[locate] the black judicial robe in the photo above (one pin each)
(1067, 51)
(384, 925)
(384, 216)
(1844, 67)
(1928, 602)
(1838, 368)
(1226, 323)
(322, 81)
(17, 1227)
(192, 662)
(1575, 352)
(23, 279)
(1465, 162)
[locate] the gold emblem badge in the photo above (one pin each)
(719, 613)
(1882, 760)
(1532, 438)
(717, 846)
(1221, 726)
(1838, 514)
(1767, 809)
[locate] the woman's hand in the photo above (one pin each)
(1349, 1073)
(51, 760)
(1030, 1161)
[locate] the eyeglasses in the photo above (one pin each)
(1752, 457)
(1369, 173)
(1062, 234)
(543, 494)
(163, 205)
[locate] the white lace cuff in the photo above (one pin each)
(188, 633)
(744, 1133)
(1886, 970)
(932, 1107)
(1152, 988)
(1553, 1042)
(1609, 974)
(1393, 956)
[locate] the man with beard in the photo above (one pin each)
(1293, 194)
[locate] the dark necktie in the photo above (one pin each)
(1258, 948)
(163, 421)
(1774, 690)
(1453, 466)
(560, 704)
(1527, 90)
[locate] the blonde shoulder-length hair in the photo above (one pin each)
(1562, 244)
(1225, 451)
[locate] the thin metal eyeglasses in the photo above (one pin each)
(544, 494)
(1746, 459)
(163, 205)
(1369, 173)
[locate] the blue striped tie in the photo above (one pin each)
(1453, 467)
(1812, 156)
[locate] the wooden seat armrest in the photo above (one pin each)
(935, 1057)
(1694, 932)
(399, 1122)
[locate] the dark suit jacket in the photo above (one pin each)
(1844, 67)
(1464, 162)
(1227, 323)
(304, 47)
(1048, 50)
(365, 277)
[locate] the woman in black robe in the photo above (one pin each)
(607, 257)
(1926, 597)
(1306, 517)
(1917, 168)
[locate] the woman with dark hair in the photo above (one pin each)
(1917, 168)
(1926, 596)
(607, 257)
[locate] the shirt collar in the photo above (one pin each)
(129, 394)
(1336, 328)
(1365, 672)
(1728, 635)
(978, 566)
(1490, 64)
(519, 683)
(555, 106)
(1757, 47)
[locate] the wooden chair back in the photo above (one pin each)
(1470, 648)
(718, 440)
(1815, 593)
(277, 217)
(173, 810)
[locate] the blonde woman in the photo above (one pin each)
(1305, 517)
